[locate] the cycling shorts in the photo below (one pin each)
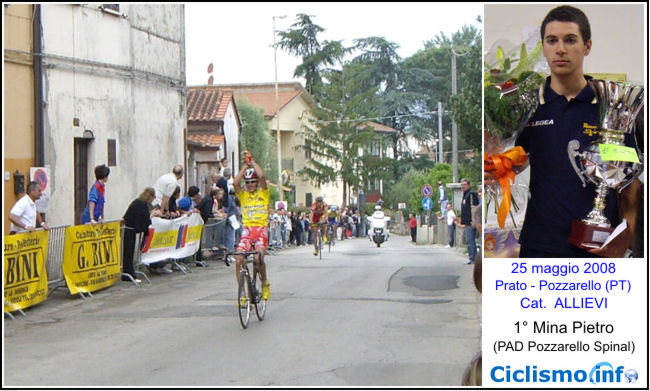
(253, 237)
(316, 219)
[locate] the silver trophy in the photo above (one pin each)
(619, 105)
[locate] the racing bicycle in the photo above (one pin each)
(248, 295)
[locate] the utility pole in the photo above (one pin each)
(454, 129)
(440, 139)
(277, 114)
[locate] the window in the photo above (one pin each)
(307, 149)
(287, 164)
(112, 152)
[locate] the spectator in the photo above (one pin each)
(442, 197)
(240, 219)
(413, 225)
(137, 219)
(306, 226)
(205, 205)
(224, 165)
(188, 203)
(23, 215)
(217, 213)
(165, 187)
(286, 220)
(450, 216)
(205, 209)
(278, 217)
(470, 198)
(215, 179)
(223, 185)
(477, 221)
(296, 228)
(357, 222)
(94, 211)
(173, 207)
(273, 226)
(228, 233)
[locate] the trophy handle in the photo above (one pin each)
(572, 150)
(637, 173)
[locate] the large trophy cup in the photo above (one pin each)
(607, 163)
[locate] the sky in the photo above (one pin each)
(237, 37)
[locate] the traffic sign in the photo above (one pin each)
(427, 190)
(427, 204)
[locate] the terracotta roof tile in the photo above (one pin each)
(263, 94)
(207, 140)
(207, 103)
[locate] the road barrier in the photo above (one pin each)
(57, 258)
(54, 263)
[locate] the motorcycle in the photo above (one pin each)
(378, 223)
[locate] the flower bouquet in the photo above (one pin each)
(511, 97)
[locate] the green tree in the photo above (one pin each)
(255, 135)
(302, 40)
(467, 105)
(429, 72)
(338, 139)
(407, 189)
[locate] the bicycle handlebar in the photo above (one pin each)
(244, 253)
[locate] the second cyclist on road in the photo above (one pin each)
(317, 215)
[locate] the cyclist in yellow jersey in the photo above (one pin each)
(254, 199)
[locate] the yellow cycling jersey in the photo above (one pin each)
(254, 207)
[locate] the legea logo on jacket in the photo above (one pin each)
(542, 122)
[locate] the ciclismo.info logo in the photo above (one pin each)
(603, 372)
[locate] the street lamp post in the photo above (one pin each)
(277, 108)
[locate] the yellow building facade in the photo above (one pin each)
(18, 101)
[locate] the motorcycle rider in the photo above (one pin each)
(378, 220)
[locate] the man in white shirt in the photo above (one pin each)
(23, 215)
(442, 197)
(165, 186)
(451, 225)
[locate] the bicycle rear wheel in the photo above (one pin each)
(260, 303)
(329, 240)
(244, 299)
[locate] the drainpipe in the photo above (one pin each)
(39, 127)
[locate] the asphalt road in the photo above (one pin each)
(399, 315)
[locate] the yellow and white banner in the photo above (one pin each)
(25, 272)
(176, 239)
(91, 257)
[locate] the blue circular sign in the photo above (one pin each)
(427, 204)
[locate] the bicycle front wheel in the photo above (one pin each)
(320, 246)
(244, 300)
(260, 303)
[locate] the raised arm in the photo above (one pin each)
(260, 174)
(238, 178)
